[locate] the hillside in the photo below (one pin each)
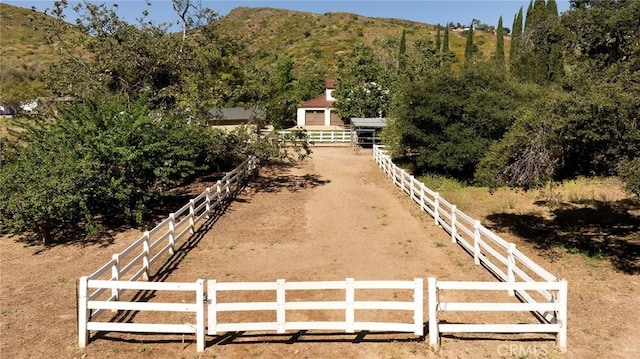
(325, 37)
(23, 42)
(267, 32)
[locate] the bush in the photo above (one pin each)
(101, 157)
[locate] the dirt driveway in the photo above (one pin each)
(328, 218)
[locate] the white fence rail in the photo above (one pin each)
(558, 306)
(500, 257)
(282, 305)
(86, 305)
(321, 136)
(135, 261)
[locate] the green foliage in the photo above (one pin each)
(445, 40)
(499, 54)
(362, 90)
(564, 135)
(469, 48)
(189, 74)
(536, 53)
(629, 171)
(450, 120)
(103, 157)
(516, 38)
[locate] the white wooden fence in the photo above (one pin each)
(500, 257)
(538, 290)
(558, 306)
(98, 291)
(321, 136)
(281, 305)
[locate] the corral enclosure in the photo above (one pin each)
(329, 218)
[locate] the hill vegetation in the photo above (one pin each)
(326, 38)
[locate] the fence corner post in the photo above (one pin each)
(511, 263)
(476, 242)
(83, 311)
(563, 296)
(434, 336)
(200, 342)
(145, 259)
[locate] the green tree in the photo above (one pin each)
(516, 41)
(188, 74)
(438, 44)
(469, 48)
(362, 90)
(499, 54)
(445, 40)
(450, 119)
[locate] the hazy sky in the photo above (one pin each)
(427, 11)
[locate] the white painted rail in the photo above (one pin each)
(558, 306)
(349, 305)
(86, 305)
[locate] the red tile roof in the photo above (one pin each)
(331, 84)
(320, 101)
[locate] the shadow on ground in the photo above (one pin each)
(596, 229)
(276, 176)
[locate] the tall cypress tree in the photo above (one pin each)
(527, 21)
(516, 41)
(402, 53)
(445, 41)
(468, 50)
(555, 59)
(438, 38)
(499, 55)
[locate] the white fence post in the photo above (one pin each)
(418, 299)
(115, 275)
(191, 215)
(208, 201)
(172, 237)
(200, 342)
(228, 184)
(436, 208)
(350, 297)
(563, 297)
(219, 190)
(145, 258)
(453, 224)
(476, 242)
(422, 191)
(83, 312)
(412, 179)
(212, 310)
(511, 263)
(434, 336)
(281, 300)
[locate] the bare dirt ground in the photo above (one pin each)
(328, 218)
